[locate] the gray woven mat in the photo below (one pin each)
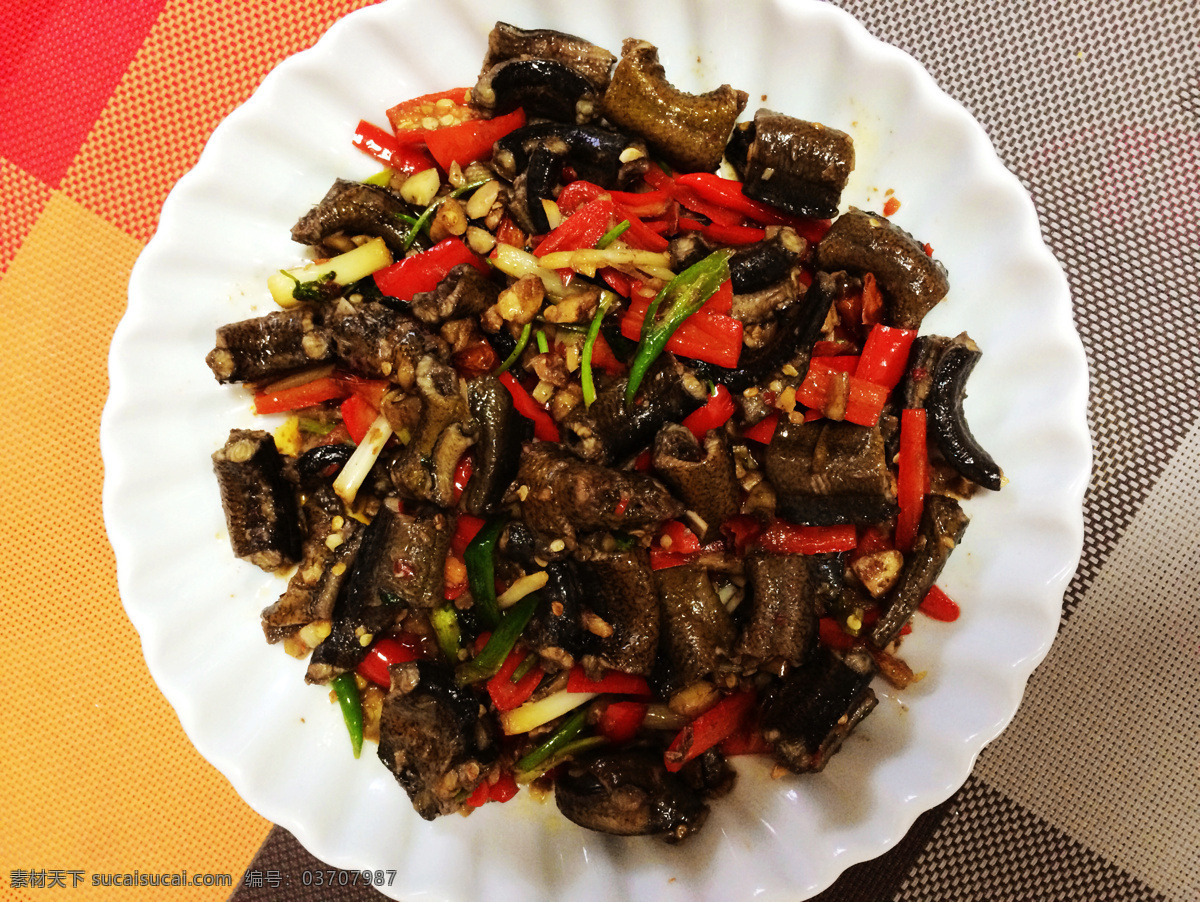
(1092, 793)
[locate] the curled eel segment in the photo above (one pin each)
(688, 130)
(949, 424)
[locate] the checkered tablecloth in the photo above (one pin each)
(1092, 794)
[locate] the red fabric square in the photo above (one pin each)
(60, 60)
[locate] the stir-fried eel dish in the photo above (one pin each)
(611, 449)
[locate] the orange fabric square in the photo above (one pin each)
(130, 161)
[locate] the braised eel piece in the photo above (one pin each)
(628, 793)
(507, 42)
(782, 628)
(433, 739)
(400, 565)
(941, 529)
(911, 281)
(828, 472)
(500, 434)
(797, 166)
(270, 346)
(463, 292)
(809, 715)
(689, 131)
(545, 88)
(620, 586)
(609, 430)
(797, 329)
(378, 342)
(425, 470)
(355, 208)
(532, 159)
(259, 503)
(556, 629)
(948, 422)
(563, 497)
(696, 632)
(702, 476)
(331, 541)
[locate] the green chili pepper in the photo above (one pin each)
(613, 234)
(352, 712)
(679, 299)
(422, 221)
(516, 352)
(542, 343)
(486, 664)
(444, 621)
(567, 730)
(480, 558)
(570, 750)
(608, 300)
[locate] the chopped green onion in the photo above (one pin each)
(567, 730)
(613, 234)
(346, 690)
(568, 751)
(530, 662)
(315, 427)
(486, 664)
(444, 621)
(679, 299)
(383, 178)
(517, 351)
(608, 300)
(542, 343)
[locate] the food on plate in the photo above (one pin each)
(599, 467)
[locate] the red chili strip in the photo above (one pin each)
(615, 682)
(544, 427)
(938, 605)
(783, 537)
(717, 723)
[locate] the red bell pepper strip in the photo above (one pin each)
(741, 530)
(481, 796)
(411, 120)
(422, 272)
(617, 281)
(661, 559)
(885, 355)
(327, 388)
(544, 427)
(713, 415)
(605, 359)
(938, 605)
(764, 430)
(830, 632)
(615, 682)
(388, 651)
(724, 234)
(466, 527)
(358, 415)
(504, 788)
(713, 338)
(864, 401)
(470, 141)
(717, 723)
(873, 539)
(788, 538)
(462, 475)
(620, 721)
(746, 741)
(394, 154)
(913, 472)
(580, 229)
(506, 694)
(640, 235)
(677, 538)
(722, 300)
(727, 193)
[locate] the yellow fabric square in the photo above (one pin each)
(98, 774)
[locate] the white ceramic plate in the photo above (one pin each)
(283, 746)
